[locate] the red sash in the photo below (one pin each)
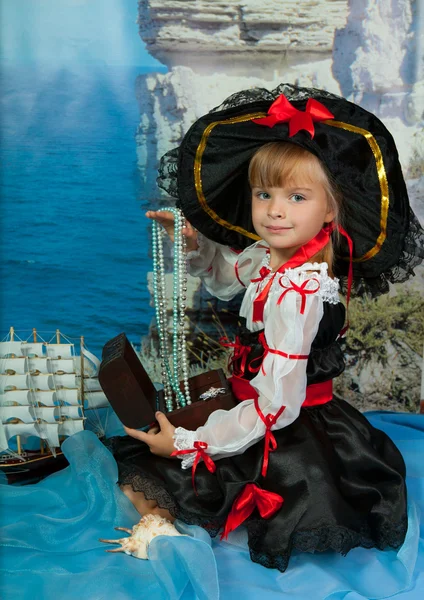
(316, 393)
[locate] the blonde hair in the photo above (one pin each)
(279, 164)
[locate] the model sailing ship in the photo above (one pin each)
(45, 390)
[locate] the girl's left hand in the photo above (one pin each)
(160, 440)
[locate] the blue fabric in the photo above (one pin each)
(49, 541)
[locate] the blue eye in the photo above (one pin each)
(263, 195)
(298, 198)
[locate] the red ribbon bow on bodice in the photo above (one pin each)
(250, 498)
(199, 448)
(300, 257)
(282, 111)
(302, 290)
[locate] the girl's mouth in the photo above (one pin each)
(274, 229)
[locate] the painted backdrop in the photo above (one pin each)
(91, 100)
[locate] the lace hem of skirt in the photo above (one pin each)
(154, 491)
(337, 538)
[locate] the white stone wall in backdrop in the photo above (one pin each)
(370, 51)
(367, 50)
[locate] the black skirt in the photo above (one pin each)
(342, 482)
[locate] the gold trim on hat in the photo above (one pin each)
(198, 174)
(382, 179)
(372, 142)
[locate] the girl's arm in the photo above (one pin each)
(219, 268)
(223, 271)
(288, 330)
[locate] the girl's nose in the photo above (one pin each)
(275, 211)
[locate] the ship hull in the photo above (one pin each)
(34, 469)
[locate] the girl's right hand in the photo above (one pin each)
(166, 219)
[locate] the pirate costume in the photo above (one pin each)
(300, 468)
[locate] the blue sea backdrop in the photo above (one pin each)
(74, 243)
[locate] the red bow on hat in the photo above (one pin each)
(281, 111)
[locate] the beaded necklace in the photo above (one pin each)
(172, 371)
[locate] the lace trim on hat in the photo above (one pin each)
(184, 440)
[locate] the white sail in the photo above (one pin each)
(69, 396)
(33, 349)
(24, 413)
(72, 412)
(40, 382)
(68, 380)
(90, 370)
(46, 431)
(92, 384)
(10, 382)
(95, 400)
(71, 427)
(14, 397)
(95, 361)
(60, 350)
(49, 432)
(66, 365)
(9, 348)
(52, 414)
(16, 365)
(38, 364)
(3, 439)
(46, 397)
(45, 413)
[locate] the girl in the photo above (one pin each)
(315, 183)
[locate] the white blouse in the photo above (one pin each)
(290, 324)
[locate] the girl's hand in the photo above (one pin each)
(166, 219)
(159, 439)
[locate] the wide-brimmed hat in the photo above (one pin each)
(208, 175)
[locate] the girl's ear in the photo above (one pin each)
(330, 216)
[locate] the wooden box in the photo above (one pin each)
(135, 400)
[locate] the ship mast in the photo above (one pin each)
(82, 372)
(34, 337)
(18, 437)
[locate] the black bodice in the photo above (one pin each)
(326, 357)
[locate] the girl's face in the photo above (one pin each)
(289, 217)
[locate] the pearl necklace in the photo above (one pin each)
(172, 373)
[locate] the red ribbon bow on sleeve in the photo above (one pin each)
(199, 448)
(282, 111)
(241, 353)
(270, 442)
(250, 498)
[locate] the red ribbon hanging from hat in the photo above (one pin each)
(199, 448)
(282, 111)
(250, 498)
(349, 277)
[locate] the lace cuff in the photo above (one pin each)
(184, 440)
(199, 250)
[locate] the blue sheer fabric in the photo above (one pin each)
(50, 548)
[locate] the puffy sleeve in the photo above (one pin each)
(223, 271)
(290, 328)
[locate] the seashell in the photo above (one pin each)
(141, 535)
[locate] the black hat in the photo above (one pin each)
(208, 175)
